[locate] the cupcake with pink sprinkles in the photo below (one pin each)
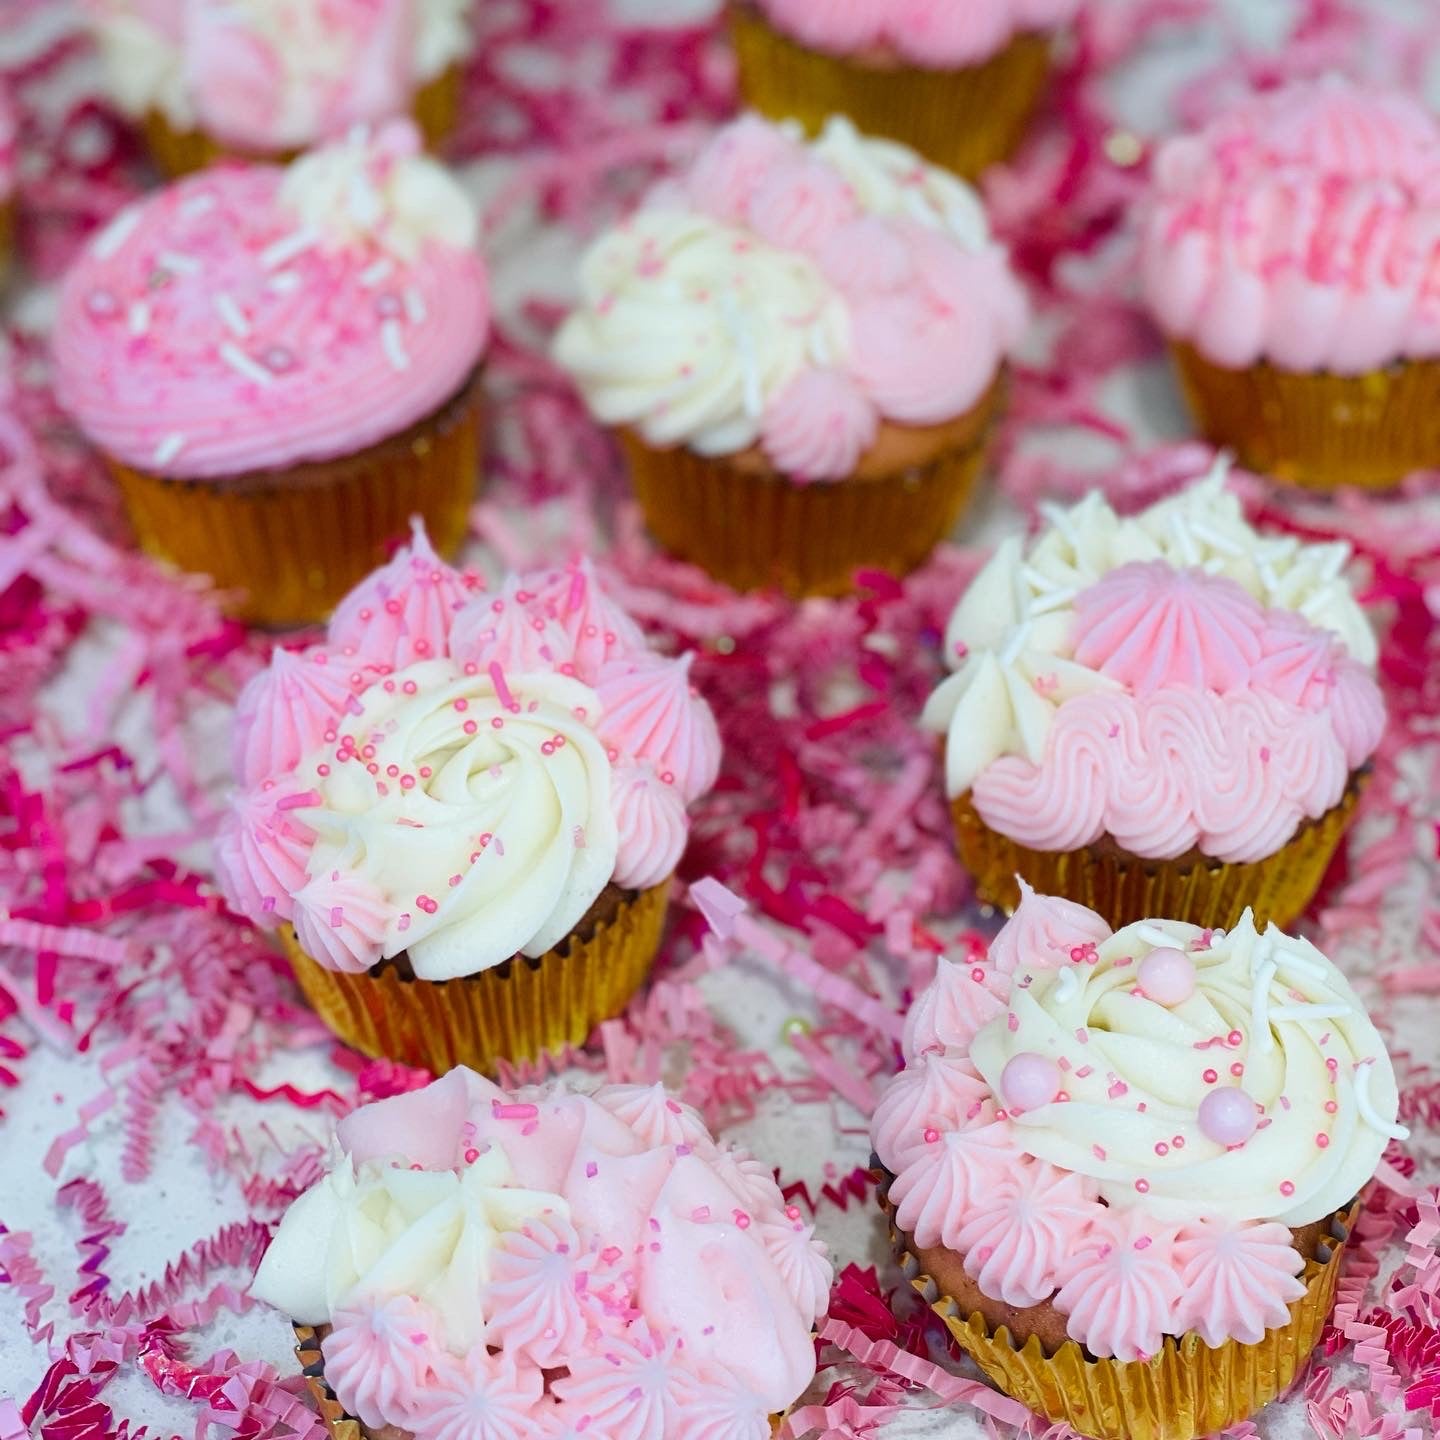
(1123, 1166)
(280, 366)
(462, 811)
(550, 1264)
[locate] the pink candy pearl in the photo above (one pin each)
(1167, 976)
(1029, 1081)
(1227, 1116)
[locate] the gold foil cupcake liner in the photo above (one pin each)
(964, 119)
(343, 1426)
(435, 108)
(1186, 1391)
(755, 529)
(1122, 888)
(514, 1012)
(1318, 431)
(288, 544)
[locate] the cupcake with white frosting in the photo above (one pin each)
(1122, 1167)
(480, 1264)
(1167, 714)
(265, 79)
(463, 810)
(802, 347)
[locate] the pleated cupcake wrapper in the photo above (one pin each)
(435, 108)
(288, 544)
(1124, 888)
(1319, 431)
(343, 1426)
(755, 531)
(964, 119)
(1186, 1391)
(514, 1012)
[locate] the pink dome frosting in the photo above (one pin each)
(1149, 625)
(1300, 227)
(219, 328)
(937, 34)
(640, 745)
(621, 1285)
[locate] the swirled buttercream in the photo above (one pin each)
(1172, 680)
(458, 775)
(501, 1277)
(272, 75)
(935, 34)
(1150, 1185)
(1300, 227)
(793, 296)
(252, 318)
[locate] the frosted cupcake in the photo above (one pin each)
(463, 810)
(265, 79)
(802, 347)
(1123, 1168)
(1162, 715)
(546, 1264)
(958, 80)
(1289, 254)
(281, 366)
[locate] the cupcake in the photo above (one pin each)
(801, 345)
(958, 80)
(280, 366)
(1289, 253)
(1160, 715)
(462, 811)
(546, 1264)
(265, 79)
(1123, 1167)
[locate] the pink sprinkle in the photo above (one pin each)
(296, 802)
(742, 1220)
(1063, 1062)
(514, 1111)
(978, 975)
(425, 903)
(1143, 1243)
(1143, 1185)
(502, 690)
(1098, 1151)
(1210, 1076)
(1237, 1069)
(700, 1214)
(591, 1171)
(1177, 1142)
(471, 1155)
(1331, 1107)
(1161, 1148)
(1084, 1072)
(610, 1254)
(1013, 1022)
(673, 1107)
(932, 1135)
(1323, 1140)
(1118, 1089)
(1234, 1038)
(403, 923)
(1083, 1035)
(1287, 1188)
(337, 916)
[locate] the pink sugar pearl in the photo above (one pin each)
(1227, 1116)
(1029, 1080)
(1167, 976)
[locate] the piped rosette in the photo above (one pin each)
(547, 1263)
(458, 779)
(1118, 1148)
(1172, 688)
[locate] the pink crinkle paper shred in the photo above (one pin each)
(823, 856)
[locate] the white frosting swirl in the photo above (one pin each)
(1269, 1014)
(479, 808)
(1009, 638)
(386, 1230)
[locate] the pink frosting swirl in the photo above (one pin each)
(961, 999)
(654, 828)
(404, 611)
(1046, 932)
(211, 330)
(377, 1356)
(534, 1292)
(651, 711)
(935, 1092)
(1122, 1288)
(260, 852)
(1232, 774)
(820, 425)
(340, 920)
(935, 1192)
(1300, 227)
(1237, 1280)
(478, 1397)
(937, 34)
(1017, 1239)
